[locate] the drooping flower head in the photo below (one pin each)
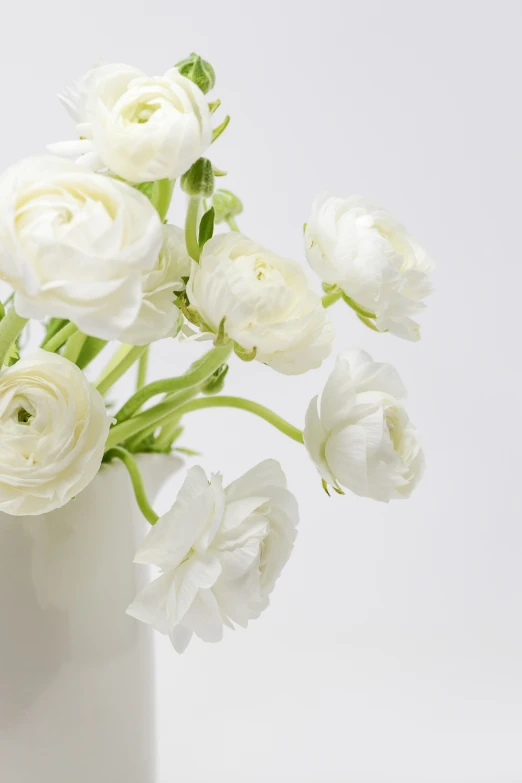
(360, 436)
(220, 552)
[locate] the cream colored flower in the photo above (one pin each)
(141, 128)
(75, 244)
(364, 251)
(360, 437)
(268, 306)
(53, 429)
(159, 316)
(220, 552)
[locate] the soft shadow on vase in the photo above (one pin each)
(76, 673)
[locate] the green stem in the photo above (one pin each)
(168, 433)
(198, 373)
(61, 337)
(233, 226)
(137, 482)
(331, 299)
(143, 363)
(10, 327)
(225, 401)
(161, 442)
(74, 346)
(191, 228)
(92, 347)
(130, 355)
(162, 196)
(162, 412)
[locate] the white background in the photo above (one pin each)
(392, 650)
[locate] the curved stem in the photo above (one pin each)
(130, 355)
(142, 370)
(74, 346)
(226, 401)
(198, 373)
(162, 196)
(191, 228)
(61, 337)
(160, 413)
(331, 299)
(137, 482)
(10, 327)
(231, 222)
(160, 443)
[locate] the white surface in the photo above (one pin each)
(76, 673)
(392, 650)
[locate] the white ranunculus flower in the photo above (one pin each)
(159, 315)
(220, 552)
(360, 437)
(141, 128)
(53, 429)
(266, 302)
(74, 244)
(362, 249)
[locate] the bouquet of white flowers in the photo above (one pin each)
(87, 249)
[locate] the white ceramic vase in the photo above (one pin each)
(76, 673)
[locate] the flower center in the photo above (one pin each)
(24, 417)
(262, 270)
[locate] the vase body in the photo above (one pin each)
(76, 673)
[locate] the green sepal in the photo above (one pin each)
(243, 354)
(221, 336)
(216, 133)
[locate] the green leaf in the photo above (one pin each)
(206, 227)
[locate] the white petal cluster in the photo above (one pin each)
(141, 128)
(360, 436)
(220, 552)
(159, 316)
(266, 301)
(75, 244)
(362, 249)
(53, 429)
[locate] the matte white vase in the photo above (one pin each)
(76, 673)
